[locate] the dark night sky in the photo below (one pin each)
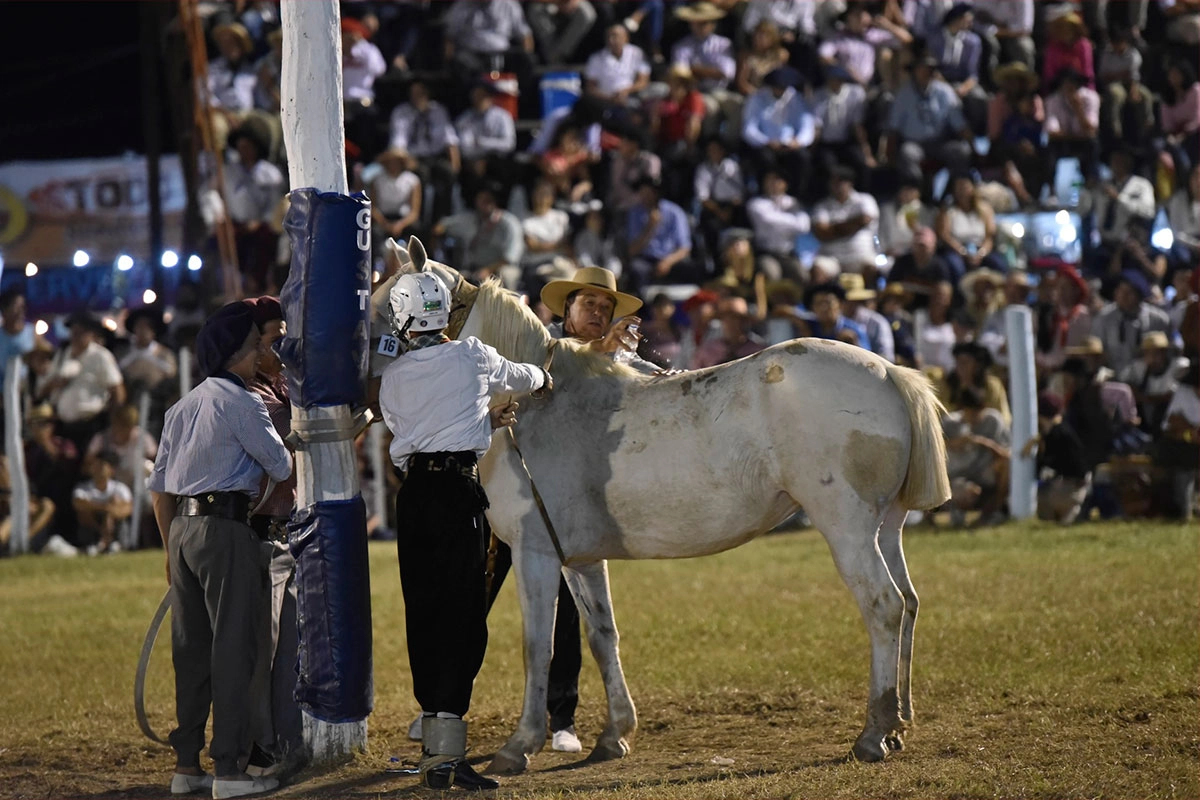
(69, 79)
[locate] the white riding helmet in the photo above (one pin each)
(420, 303)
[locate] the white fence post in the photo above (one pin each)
(1022, 395)
(185, 371)
(137, 468)
(15, 450)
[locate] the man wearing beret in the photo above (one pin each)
(216, 444)
(1121, 324)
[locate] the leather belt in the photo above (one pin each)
(463, 463)
(227, 505)
(270, 529)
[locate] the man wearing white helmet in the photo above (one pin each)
(435, 401)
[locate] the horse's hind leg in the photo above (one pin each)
(852, 541)
(891, 546)
(589, 585)
(537, 586)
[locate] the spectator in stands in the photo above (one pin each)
(1137, 253)
(662, 333)
(269, 70)
(936, 336)
(710, 56)
(1117, 202)
(926, 122)
(52, 466)
(850, 48)
(840, 108)
(739, 273)
(846, 223)
(859, 306)
(720, 189)
(422, 128)
(1183, 215)
(966, 228)
(1067, 48)
(559, 27)
(765, 54)
(777, 220)
(593, 246)
(84, 382)
(1124, 322)
(1181, 453)
(1127, 107)
(922, 268)
(487, 139)
(736, 339)
(232, 79)
(660, 239)
(630, 163)
(824, 303)
(566, 163)
(1016, 118)
(1065, 477)
(1153, 376)
(484, 36)
(675, 122)
(1181, 116)
(977, 448)
(489, 238)
(16, 333)
(891, 308)
(958, 50)
(148, 362)
(972, 365)
(1073, 121)
(1183, 24)
(778, 128)
(254, 189)
(1061, 316)
(901, 217)
(41, 539)
(795, 23)
(980, 290)
(133, 446)
(547, 230)
(362, 64)
(103, 506)
(619, 71)
(396, 198)
(1013, 21)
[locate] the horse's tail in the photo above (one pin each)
(927, 482)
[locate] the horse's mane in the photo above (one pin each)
(515, 331)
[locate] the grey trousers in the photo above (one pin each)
(280, 725)
(218, 592)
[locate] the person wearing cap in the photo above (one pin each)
(487, 138)
(926, 121)
(148, 362)
(710, 56)
(217, 443)
(618, 71)
(84, 381)
(397, 198)
(280, 736)
(422, 128)
(778, 127)
(846, 223)
(859, 307)
(660, 239)
(103, 505)
(1061, 460)
(434, 398)
(840, 108)
(489, 235)
(1121, 324)
(1073, 121)
(1154, 377)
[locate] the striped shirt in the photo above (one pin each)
(218, 438)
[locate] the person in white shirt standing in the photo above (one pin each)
(84, 381)
(435, 400)
(847, 225)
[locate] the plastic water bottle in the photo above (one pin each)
(627, 352)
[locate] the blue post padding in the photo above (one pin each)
(333, 609)
(326, 299)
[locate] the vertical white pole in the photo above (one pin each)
(313, 122)
(1022, 398)
(185, 371)
(18, 541)
(137, 468)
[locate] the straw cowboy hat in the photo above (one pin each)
(856, 287)
(703, 11)
(238, 31)
(969, 280)
(1155, 340)
(395, 154)
(1016, 71)
(1070, 20)
(555, 293)
(1092, 346)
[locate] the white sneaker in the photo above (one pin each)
(414, 730)
(565, 741)
(58, 546)
(187, 784)
(92, 550)
(222, 788)
(113, 547)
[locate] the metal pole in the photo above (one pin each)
(151, 112)
(1022, 394)
(14, 449)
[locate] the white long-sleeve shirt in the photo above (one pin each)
(435, 399)
(777, 221)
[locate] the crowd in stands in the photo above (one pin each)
(757, 170)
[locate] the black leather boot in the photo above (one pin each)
(458, 774)
(443, 757)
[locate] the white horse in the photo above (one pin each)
(630, 466)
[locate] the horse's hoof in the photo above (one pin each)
(506, 764)
(609, 750)
(893, 742)
(868, 751)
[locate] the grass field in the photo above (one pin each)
(1050, 663)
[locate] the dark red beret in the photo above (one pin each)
(266, 309)
(222, 336)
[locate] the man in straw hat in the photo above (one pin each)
(1154, 377)
(860, 307)
(217, 443)
(710, 56)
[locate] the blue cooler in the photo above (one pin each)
(560, 90)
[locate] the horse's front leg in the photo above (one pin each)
(537, 586)
(589, 585)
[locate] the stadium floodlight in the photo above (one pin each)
(41, 327)
(31, 269)
(124, 262)
(1062, 217)
(1068, 234)
(149, 296)
(170, 259)
(1163, 239)
(194, 263)
(81, 259)
(1018, 230)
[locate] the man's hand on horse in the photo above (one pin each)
(616, 334)
(503, 416)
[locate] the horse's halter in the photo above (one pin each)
(460, 312)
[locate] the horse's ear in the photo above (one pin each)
(397, 256)
(416, 252)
